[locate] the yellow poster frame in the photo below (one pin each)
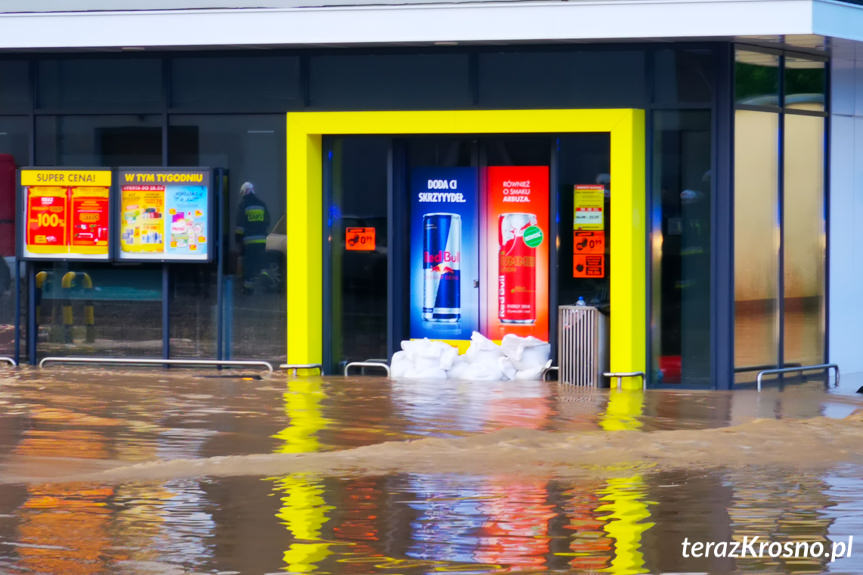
(304, 130)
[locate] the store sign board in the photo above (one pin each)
(65, 214)
(444, 253)
(165, 214)
(517, 238)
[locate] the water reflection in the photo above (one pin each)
(628, 516)
(303, 509)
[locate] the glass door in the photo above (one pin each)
(356, 227)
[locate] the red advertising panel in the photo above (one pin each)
(66, 213)
(516, 228)
(90, 214)
(46, 220)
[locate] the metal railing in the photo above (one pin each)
(296, 366)
(140, 361)
(9, 360)
(364, 364)
(801, 368)
(621, 374)
(549, 369)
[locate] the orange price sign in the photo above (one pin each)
(588, 266)
(360, 239)
(588, 254)
(588, 242)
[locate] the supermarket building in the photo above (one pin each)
(690, 168)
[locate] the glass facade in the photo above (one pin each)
(225, 110)
(779, 216)
(804, 246)
(249, 148)
(681, 247)
(756, 239)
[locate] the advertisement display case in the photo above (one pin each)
(165, 214)
(65, 214)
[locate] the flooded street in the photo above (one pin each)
(183, 471)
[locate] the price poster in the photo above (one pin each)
(588, 258)
(65, 213)
(360, 239)
(589, 202)
(588, 231)
(164, 214)
(142, 217)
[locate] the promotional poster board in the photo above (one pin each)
(65, 213)
(444, 253)
(165, 214)
(588, 231)
(516, 224)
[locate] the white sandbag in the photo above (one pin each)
(478, 368)
(526, 353)
(427, 373)
(507, 369)
(529, 374)
(422, 359)
(482, 349)
(459, 369)
(400, 365)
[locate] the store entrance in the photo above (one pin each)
(524, 178)
(440, 236)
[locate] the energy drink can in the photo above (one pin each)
(516, 270)
(442, 267)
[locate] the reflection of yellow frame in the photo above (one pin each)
(628, 211)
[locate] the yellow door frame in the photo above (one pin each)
(628, 208)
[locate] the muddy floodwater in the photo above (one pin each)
(145, 471)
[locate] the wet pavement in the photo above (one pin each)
(184, 471)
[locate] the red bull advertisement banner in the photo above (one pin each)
(66, 213)
(516, 224)
(444, 253)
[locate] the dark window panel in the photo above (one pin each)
(241, 83)
(383, 81)
(684, 76)
(585, 79)
(100, 85)
(15, 87)
(99, 141)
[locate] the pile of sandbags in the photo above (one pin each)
(515, 358)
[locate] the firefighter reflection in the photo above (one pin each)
(253, 221)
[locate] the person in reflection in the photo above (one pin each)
(253, 222)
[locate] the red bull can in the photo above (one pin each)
(442, 267)
(516, 270)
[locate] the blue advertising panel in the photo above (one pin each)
(444, 253)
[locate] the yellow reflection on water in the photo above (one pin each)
(624, 410)
(303, 507)
(624, 504)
